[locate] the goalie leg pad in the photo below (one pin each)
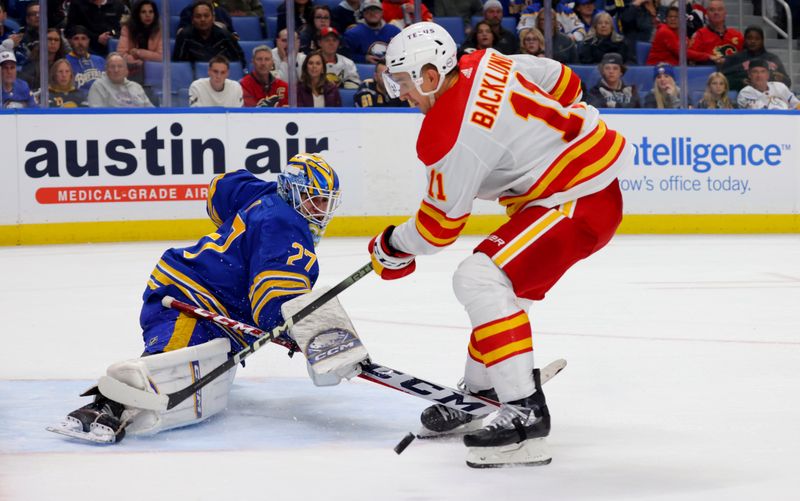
(327, 338)
(168, 372)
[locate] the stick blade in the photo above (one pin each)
(130, 396)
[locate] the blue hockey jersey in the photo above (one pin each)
(260, 256)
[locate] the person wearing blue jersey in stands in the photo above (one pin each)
(15, 92)
(260, 255)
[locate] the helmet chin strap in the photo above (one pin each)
(431, 94)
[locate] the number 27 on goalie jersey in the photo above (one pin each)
(260, 256)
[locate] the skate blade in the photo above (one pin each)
(426, 434)
(531, 452)
(64, 429)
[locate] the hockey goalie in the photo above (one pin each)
(258, 260)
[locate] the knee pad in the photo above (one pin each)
(483, 289)
(171, 371)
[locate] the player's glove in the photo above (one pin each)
(387, 261)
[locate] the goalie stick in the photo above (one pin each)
(134, 397)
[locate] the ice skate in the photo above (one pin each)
(514, 437)
(99, 422)
(439, 420)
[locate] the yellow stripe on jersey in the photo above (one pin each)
(436, 228)
(237, 229)
(441, 219)
(527, 237)
(182, 333)
(513, 204)
(568, 208)
(179, 279)
(212, 213)
(600, 164)
(275, 283)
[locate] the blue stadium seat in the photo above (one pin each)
(365, 70)
(640, 76)
(454, 25)
(330, 3)
(347, 97)
(182, 75)
(153, 74)
(272, 27)
(509, 23)
(11, 23)
(176, 6)
(174, 21)
(697, 76)
(181, 98)
(271, 8)
(642, 51)
(588, 74)
(247, 27)
(180, 72)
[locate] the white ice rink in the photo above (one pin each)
(683, 382)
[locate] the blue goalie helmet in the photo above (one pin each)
(311, 186)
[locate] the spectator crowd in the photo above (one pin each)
(108, 53)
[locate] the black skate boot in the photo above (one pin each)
(99, 421)
(515, 436)
(439, 419)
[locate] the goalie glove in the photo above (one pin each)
(387, 261)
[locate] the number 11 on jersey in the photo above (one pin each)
(436, 186)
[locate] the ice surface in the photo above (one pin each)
(682, 384)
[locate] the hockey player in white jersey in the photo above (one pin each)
(512, 129)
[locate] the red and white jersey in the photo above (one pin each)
(511, 129)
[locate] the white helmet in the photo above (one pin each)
(414, 47)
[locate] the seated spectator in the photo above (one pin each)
(401, 12)
(565, 51)
(601, 40)
(346, 14)
(216, 89)
(28, 36)
(339, 70)
(635, 20)
(666, 44)
(665, 94)
(715, 40)
(482, 37)
(310, 35)
(281, 56)
(505, 41)
(56, 49)
(15, 92)
(221, 18)
(735, 67)
(762, 94)
(114, 90)
(715, 97)
(464, 9)
(101, 19)
(585, 10)
(261, 88)
(611, 91)
(86, 67)
(531, 41)
(313, 90)
(140, 39)
(203, 39)
(372, 92)
(368, 39)
(6, 31)
(62, 92)
(566, 21)
(303, 15)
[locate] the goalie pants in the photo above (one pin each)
(520, 261)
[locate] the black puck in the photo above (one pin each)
(401, 446)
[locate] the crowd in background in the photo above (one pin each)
(98, 51)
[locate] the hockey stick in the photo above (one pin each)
(370, 371)
(128, 395)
